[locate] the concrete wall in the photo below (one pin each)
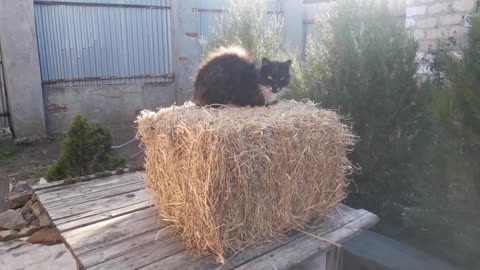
(20, 63)
(107, 104)
(186, 47)
(432, 20)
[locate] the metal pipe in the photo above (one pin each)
(212, 10)
(165, 76)
(89, 4)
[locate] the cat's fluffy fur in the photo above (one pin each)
(228, 76)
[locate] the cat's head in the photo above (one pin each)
(275, 74)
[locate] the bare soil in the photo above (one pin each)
(30, 162)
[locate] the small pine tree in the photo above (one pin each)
(86, 150)
(446, 221)
(457, 106)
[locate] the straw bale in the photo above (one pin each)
(232, 178)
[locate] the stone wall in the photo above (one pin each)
(432, 20)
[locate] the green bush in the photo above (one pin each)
(362, 63)
(457, 105)
(246, 24)
(86, 150)
(446, 220)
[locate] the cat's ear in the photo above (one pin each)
(287, 64)
(265, 61)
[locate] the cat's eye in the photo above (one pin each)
(269, 77)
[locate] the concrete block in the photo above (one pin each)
(416, 10)
(438, 8)
(410, 22)
(420, 55)
(463, 5)
(411, 2)
(385, 253)
(457, 32)
(425, 45)
(437, 33)
(426, 23)
(418, 34)
(450, 19)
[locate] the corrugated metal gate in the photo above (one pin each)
(99, 42)
(4, 110)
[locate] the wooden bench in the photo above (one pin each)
(108, 223)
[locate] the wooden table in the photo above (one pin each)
(108, 223)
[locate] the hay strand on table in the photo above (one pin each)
(230, 178)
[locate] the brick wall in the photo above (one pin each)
(432, 20)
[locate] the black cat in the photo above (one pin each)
(228, 76)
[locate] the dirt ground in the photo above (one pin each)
(29, 162)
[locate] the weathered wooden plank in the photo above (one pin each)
(98, 206)
(103, 233)
(59, 185)
(125, 247)
(50, 185)
(205, 263)
(340, 216)
(108, 224)
(66, 200)
(146, 255)
(90, 186)
(334, 257)
(74, 222)
(298, 250)
(174, 262)
(185, 261)
(60, 195)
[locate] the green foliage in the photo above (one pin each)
(446, 219)
(457, 107)
(8, 151)
(86, 150)
(362, 62)
(246, 24)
